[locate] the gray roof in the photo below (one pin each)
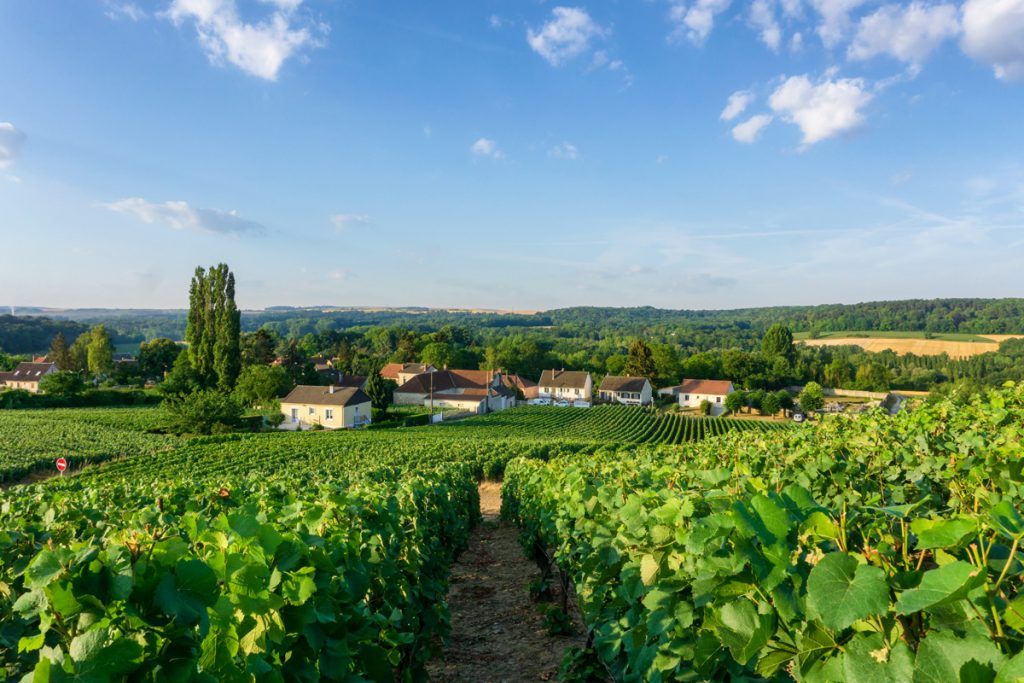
(564, 379)
(31, 372)
(322, 396)
(619, 383)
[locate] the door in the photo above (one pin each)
(295, 415)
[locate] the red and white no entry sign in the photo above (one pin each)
(62, 464)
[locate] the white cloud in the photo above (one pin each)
(908, 33)
(344, 221)
(11, 140)
(180, 216)
(762, 15)
(565, 36)
(259, 49)
(994, 33)
(496, 22)
(737, 104)
(821, 110)
(338, 274)
(696, 21)
(124, 10)
(284, 5)
(796, 43)
(486, 148)
(566, 150)
(835, 24)
(793, 8)
(749, 130)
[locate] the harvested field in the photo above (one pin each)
(919, 347)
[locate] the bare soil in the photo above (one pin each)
(498, 634)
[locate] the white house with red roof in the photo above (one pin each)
(692, 392)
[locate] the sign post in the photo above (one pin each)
(62, 465)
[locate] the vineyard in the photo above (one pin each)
(607, 424)
(875, 549)
(33, 439)
(858, 549)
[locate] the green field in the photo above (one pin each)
(857, 549)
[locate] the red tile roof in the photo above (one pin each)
(712, 387)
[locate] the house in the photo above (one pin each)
(401, 373)
(331, 407)
(634, 391)
(27, 375)
(478, 391)
(350, 381)
(693, 391)
(519, 384)
(571, 385)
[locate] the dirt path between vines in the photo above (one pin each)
(498, 635)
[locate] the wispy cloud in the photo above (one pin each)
(179, 215)
(123, 10)
(694, 22)
(750, 130)
(737, 104)
(259, 49)
(11, 141)
(485, 147)
(344, 221)
(567, 35)
(566, 150)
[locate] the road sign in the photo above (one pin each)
(62, 465)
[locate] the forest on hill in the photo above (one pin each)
(704, 329)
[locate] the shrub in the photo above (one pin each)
(203, 412)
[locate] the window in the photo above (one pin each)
(718, 399)
(312, 410)
(686, 398)
(329, 414)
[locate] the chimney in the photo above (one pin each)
(330, 389)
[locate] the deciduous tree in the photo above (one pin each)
(100, 351)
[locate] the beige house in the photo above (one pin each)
(693, 391)
(401, 373)
(570, 385)
(331, 407)
(633, 391)
(26, 376)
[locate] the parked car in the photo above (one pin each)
(798, 417)
(539, 402)
(562, 403)
(580, 404)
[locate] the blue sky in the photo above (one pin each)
(517, 155)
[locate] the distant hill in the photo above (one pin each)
(32, 328)
(26, 335)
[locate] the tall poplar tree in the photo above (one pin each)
(227, 357)
(213, 327)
